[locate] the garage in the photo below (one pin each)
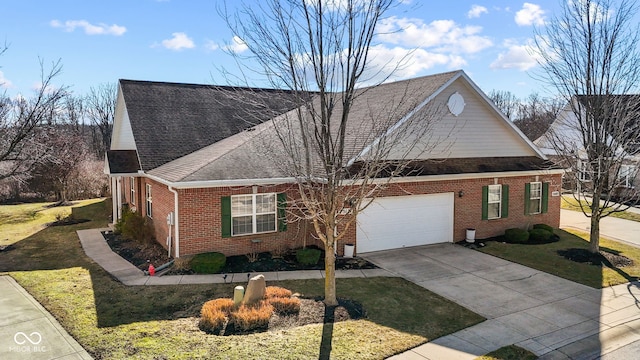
(402, 221)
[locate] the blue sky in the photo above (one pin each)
(101, 41)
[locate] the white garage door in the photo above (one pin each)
(400, 221)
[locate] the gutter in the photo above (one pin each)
(176, 225)
(444, 177)
(219, 183)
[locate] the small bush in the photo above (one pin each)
(516, 236)
(285, 305)
(248, 318)
(308, 256)
(543, 226)
(276, 292)
(539, 236)
(134, 226)
(182, 263)
(208, 263)
(214, 314)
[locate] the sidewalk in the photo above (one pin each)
(28, 331)
(97, 248)
(617, 229)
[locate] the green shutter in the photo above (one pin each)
(225, 201)
(282, 215)
(505, 201)
(485, 202)
(527, 198)
(545, 197)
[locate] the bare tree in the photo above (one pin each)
(590, 55)
(506, 101)
(101, 108)
(536, 113)
(20, 120)
(319, 51)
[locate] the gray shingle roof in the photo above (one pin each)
(252, 154)
(172, 120)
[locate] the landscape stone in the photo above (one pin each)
(255, 289)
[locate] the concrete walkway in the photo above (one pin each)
(614, 228)
(550, 316)
(97, 248)
(28, 331)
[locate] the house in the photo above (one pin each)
(564, 142)
(184, 156)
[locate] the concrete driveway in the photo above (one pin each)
(550, 316)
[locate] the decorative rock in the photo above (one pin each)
(255, 289)
(238, 294)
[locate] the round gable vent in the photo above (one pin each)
(456, 104)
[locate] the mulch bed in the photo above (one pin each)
(599, 259)
(140, 255)
(312, 311)
(68, 221)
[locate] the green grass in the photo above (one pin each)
(570, 203)
(510, 352)
(113, 321)
(544, 257)
(20, 221)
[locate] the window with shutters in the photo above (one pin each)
(494, 202)
(535, 198)
(253, 214)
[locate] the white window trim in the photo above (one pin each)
(627, 174)
(254, 214)
(499, 202)
(536, 199)
(132, 183)
(149, 201)
(583, 174)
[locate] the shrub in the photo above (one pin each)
(516, 236)
(543, 226)
(276, 292)
(285, 305)
(134, 226)
(251, 317)
(183, 263)
(539, 235)
(308, 256)
(208, 263)
(214, 313)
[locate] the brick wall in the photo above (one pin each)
(200, 217)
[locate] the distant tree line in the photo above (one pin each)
(532, 115)
(52, 142)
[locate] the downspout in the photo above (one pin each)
(176, 226)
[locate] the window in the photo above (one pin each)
(626, 174)
(132, 183)
(535, 198)
(149, 201)
(494, 201)
(583, 171)
(253, 214)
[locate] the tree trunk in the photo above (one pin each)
(594, 236)
(330, 274)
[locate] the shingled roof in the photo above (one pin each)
(172, 120)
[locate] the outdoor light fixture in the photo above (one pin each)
(460, 193)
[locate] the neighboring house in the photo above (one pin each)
(565, 133)
(182, 156)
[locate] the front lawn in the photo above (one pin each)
(113, 321)
(545, 257)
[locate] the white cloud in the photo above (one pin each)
(211, 45)
(237, 45)
(4, 82)
(476, 11)
(178, 42)
(518, 56)
(404, 63)
(530, 14)
(440, 35)
(89, 29)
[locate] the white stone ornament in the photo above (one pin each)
(456, 104)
